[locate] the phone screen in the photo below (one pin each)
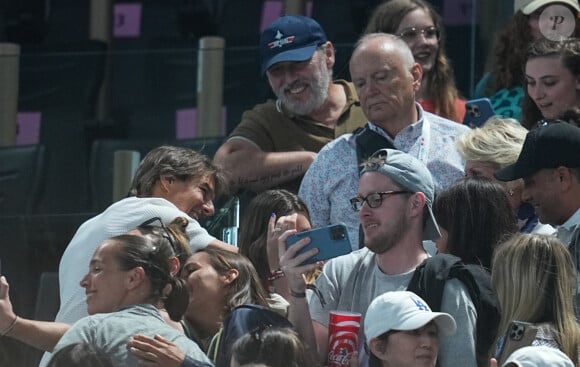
(331, 241)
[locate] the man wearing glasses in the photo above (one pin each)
(386, 79)
(394, 205)
(549, 163)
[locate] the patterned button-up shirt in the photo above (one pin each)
(332, 179)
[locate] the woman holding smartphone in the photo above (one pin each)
(552, 85)
(419, 25)
(534, 279)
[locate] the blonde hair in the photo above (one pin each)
(499, 141)
(534, 276)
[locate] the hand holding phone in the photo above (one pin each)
(331, 241)
(477, 112)
(519, 334)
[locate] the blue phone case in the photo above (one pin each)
(477, 112)
(331, 241)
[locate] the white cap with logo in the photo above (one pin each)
(403, 310)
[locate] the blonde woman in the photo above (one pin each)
(495, 145)
(534, 278)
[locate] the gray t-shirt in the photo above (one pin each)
(351, 282)
(111, 332)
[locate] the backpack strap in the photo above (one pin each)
(429, 279)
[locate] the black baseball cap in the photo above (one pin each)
(550, 146)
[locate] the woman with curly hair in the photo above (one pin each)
(503, 84)
(421, 27)
(552, 80)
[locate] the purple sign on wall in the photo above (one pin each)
(186, 123)
(274, 9)
(459, 12)
(28, 128)
(127, 20)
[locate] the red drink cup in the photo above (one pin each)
(343, 329)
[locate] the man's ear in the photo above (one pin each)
(231, 275)
(417, 204)
(330, 56)
(417, 73)
(165, 182)
(567, 178)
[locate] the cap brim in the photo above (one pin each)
(431, 230)
(445, 323)
(514, 172)
(296, 55)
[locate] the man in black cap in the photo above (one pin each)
(549, 163)
(276, 141)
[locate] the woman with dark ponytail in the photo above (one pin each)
(131, 278)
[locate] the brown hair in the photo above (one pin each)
(569, 53)
(387, 17)
(509, 55)
(254, 226)
(247, 288)
(178, 162)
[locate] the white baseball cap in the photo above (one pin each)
(529, 6)
(538, 356)
(403, 310)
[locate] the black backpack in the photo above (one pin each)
(429, 280)
(241, 320)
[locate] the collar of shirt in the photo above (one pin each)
(565, 231)
(413, 130)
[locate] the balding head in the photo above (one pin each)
(386, 78)
(388, 42)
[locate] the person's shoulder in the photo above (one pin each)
(261, 113)
(344, 143)
(359, 258)
(444, 125)
(265, 107)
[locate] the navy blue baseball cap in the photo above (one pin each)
(290, 38)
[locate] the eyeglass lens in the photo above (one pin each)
(412, 33)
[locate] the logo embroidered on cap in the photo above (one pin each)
(420, 305)
(281, 41)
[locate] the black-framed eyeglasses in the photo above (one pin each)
(409, 34)
(374, 200)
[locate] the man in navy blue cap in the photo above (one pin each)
(549, 163)
(276, 141)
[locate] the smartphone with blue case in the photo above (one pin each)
(477, 112)
(331, 241)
